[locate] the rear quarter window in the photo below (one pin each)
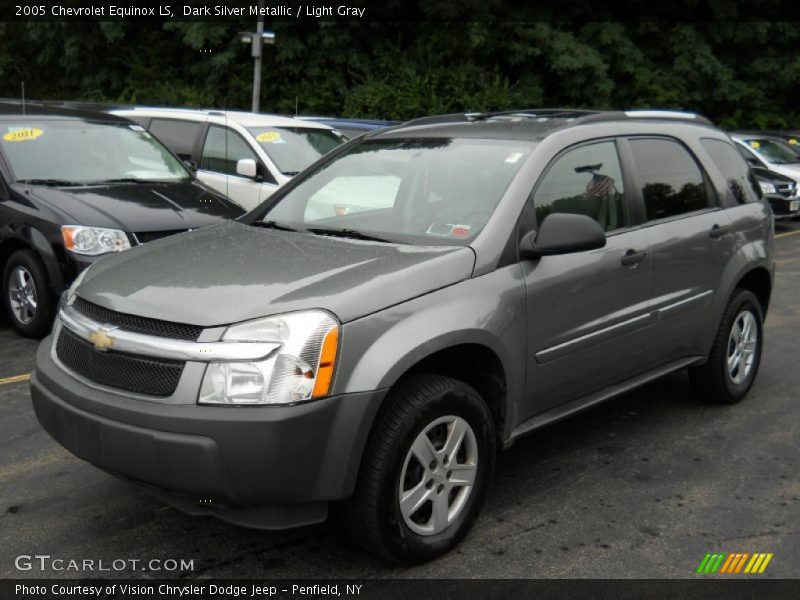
(742, 185)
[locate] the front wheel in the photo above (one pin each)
(736, 353)
(28, 298)
(424, 471)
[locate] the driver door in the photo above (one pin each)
(587, 312)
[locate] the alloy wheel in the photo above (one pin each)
(438, 475)
(742, 344)
(22, 293)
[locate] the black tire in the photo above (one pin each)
(372, 516)
(42, 319)
(712, 381)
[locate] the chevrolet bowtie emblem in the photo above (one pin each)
(101, 340)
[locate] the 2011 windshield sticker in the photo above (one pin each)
(268, 136)
(24, 134)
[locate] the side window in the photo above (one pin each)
(178, 136)
(672, 183)
(742, 186)
(585, 181)
(748, 156)
(223, 148)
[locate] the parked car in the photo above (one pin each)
(530, 266)
(352, 128)
(76, 186)
(768, 153)
(780, 191)
(246, 156)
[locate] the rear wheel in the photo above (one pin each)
(27, 295)
(736, 354)
(424, 471)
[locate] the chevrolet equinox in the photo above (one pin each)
(415, 301)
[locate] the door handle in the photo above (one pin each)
(717, 231)
(632, 257)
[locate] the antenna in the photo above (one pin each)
(295, 106)
(22, 85)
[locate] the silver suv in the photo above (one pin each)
(413, 302)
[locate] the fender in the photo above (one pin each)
(377, 350)
(753, 250)
(35, 240)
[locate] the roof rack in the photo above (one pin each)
(581, 114)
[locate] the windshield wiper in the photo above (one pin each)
(53, 182)
(349, 233)
(120, 180)
(290, 173)
(274, 225)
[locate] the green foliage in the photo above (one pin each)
(740, 74)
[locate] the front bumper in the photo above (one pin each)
(271, 467)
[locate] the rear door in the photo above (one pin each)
(690, 241)
(587, 312)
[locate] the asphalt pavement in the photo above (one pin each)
(640, 487)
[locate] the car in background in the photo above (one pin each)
(352, 128)
(768, 152)
(780, 191)
(246, 156)
(76, 186)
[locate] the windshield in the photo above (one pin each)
(438, 191)
(292, 149)
(72, 152)
(773, 151)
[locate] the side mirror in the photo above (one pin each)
(562, 233)
(246, 167)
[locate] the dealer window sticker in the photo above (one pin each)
(22, 134)
(755, 144)
(270, 137)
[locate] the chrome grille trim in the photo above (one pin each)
(168, 348)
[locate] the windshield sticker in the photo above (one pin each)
(513, 157)
(449, 230)
(23, 134)
(755, 144)
(270, 137)
(793, 141)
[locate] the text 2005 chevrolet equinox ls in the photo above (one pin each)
(413, 302)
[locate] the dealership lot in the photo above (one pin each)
(642, 486)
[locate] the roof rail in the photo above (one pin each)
(546, 113)
(671, 115)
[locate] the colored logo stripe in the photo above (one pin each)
(734, 563)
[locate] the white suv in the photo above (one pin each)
(246, 156)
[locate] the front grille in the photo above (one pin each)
(167, 329)
(150, 236)
(785, 189)
(153, 377)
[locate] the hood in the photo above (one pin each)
(136, 207)
(234, 272)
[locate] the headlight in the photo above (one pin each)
(300, 369)
(92, 241)
(767, 188)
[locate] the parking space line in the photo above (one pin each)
(15, 379)
(787, 234)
